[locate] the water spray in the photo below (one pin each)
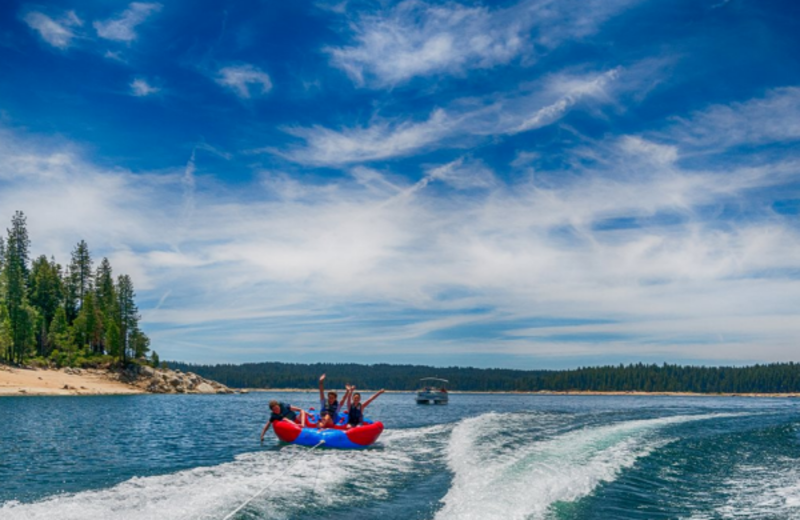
(288, 467)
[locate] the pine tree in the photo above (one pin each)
(104, 285)
(140, 343)
(20, 316)
(105, 298)
(46, 294)
(113, 341)
(134, 342)
(59, 335)
(5, 334)
(128, 317)
(79, 279)
(88, 326)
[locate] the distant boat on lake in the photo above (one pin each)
(432, 391)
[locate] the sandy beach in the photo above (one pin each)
(19, 381)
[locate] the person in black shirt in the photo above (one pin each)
(283, 412)
(355, 413)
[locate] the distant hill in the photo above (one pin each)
(770, 378)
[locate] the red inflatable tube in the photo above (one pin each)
(336, 437)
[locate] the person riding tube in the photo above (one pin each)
(283, 412)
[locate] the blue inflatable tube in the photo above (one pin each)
(338, 437)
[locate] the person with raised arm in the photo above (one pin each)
(331, 405)
(345, 406)
(355, 412)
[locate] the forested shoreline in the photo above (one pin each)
(775, 378)
(65, 316)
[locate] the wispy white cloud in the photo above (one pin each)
(141, 88)
(416, 38)
(114, 55)
(773, 118)
(245, 80)
(462, 175)
(122, 28)
(58, 33)
(544, 104)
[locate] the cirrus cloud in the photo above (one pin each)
(122, 28)
(141, 88)
(58, 33)
(539, 105)
(417, 38)
(245, 80)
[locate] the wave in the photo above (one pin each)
(303, 481)
(761, 491)
(523, 479)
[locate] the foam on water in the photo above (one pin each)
(303, 481)
(757, 491)
(522, 480)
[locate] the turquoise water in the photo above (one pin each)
(481, 456)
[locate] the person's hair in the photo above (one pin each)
(357, 394)
(332, 394)
(273, 403)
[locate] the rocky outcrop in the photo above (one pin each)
(165, 381)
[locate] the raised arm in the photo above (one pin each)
(379, 392)
(322, 388)
(348, 395)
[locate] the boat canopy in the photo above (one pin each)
(434, 379)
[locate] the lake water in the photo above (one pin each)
(481, 456)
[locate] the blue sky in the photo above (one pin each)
(526, 184)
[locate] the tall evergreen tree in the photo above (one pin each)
(113, 341)
(20, 316)
(128, 317)
(5, 338)
(59, 334)
(88, 326)
(140, 343)
(105, 298)
(2, 271)
(104, 284)
(46, 294)
(5, 332)
(79, 280)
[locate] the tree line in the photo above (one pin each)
(64, 316)
(768, 378)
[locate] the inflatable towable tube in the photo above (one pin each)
(335, 437)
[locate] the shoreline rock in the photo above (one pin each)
(166, 381)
